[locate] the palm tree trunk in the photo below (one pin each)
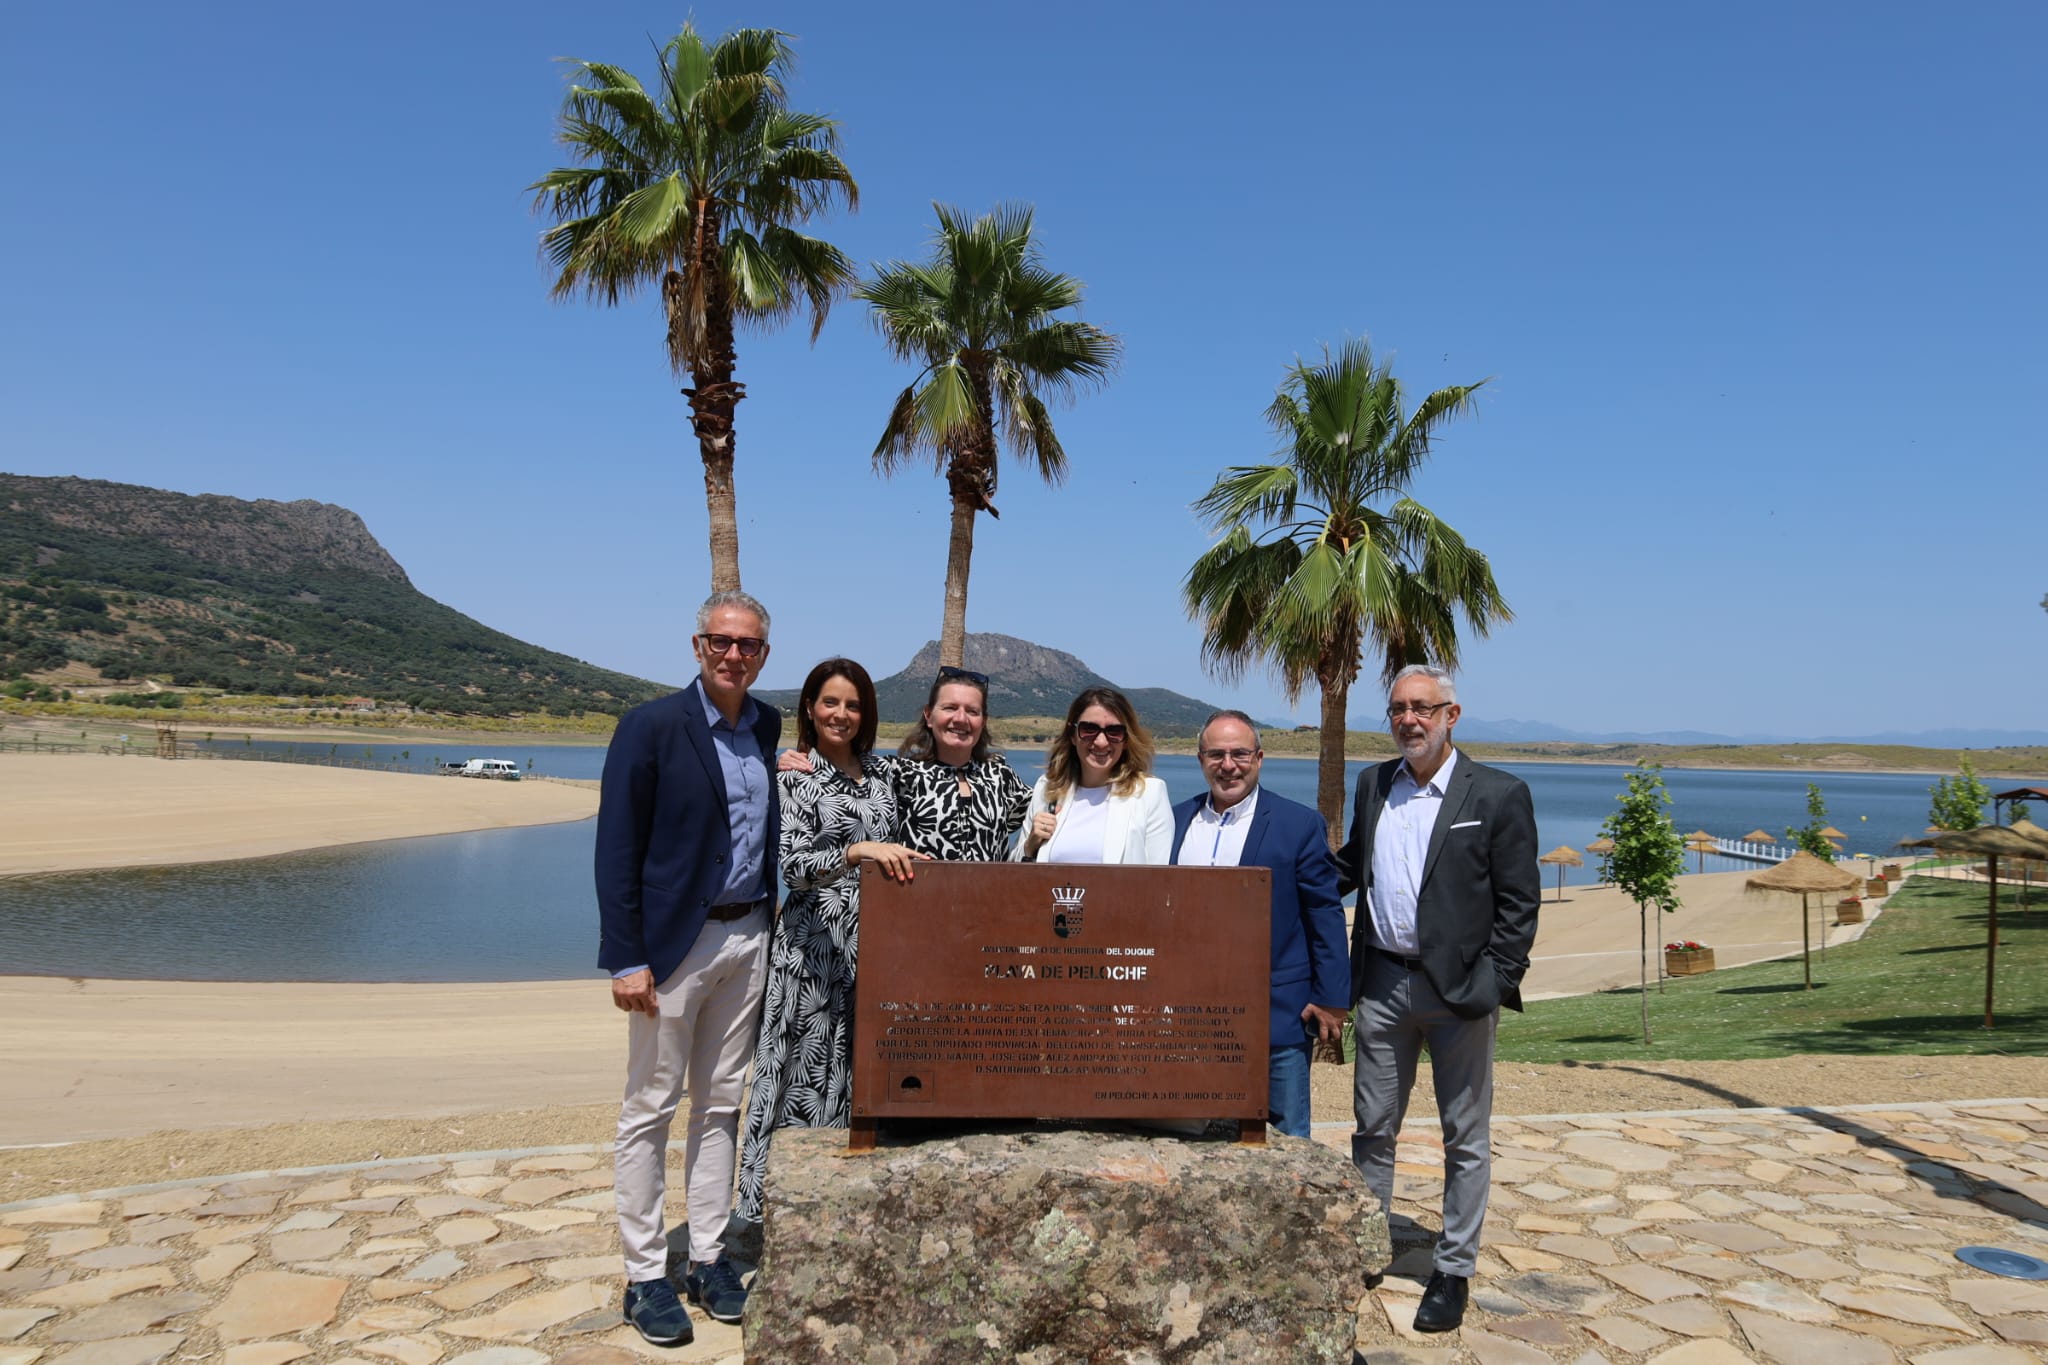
(713, 400)
(1330, 759)
(959, 555)
(969, 477)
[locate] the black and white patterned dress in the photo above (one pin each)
(933, 816)
(803, 1065)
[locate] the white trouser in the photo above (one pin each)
(710, 1014)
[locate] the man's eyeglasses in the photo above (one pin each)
(1087, 731)
(948, 673)
(1421, 710)
(721, 645)
(1237, 756)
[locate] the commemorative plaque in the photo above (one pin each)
(1025, 990)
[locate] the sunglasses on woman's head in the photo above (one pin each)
(948, 673)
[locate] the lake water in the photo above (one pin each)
(516, 904)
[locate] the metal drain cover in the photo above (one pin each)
(1999, 1261)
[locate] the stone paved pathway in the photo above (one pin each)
(1796, 1238)
(1802, 1239)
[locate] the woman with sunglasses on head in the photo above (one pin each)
(838, 811)
(957, 798)
(1098, 801)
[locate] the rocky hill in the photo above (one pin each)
(1025, 679)
(283, 598)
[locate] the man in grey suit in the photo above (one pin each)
(1444, 851)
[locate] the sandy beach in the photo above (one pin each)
(70, 812)
(86, 1059)
(153, 1079)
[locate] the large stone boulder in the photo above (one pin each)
(1061, 1245)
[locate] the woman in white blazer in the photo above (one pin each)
(1098, 801)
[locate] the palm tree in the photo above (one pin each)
(1331, 572)
(978, 317)
(698, 188)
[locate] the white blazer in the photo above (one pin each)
(1137, 829)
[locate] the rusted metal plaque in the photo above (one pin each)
(1001, 990)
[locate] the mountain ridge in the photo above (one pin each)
(1025, 679)
(278, 598)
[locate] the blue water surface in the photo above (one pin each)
(516, 904)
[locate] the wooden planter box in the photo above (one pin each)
(1891, 872)
(1849, 912)
(1680, 963)
(1877, 886)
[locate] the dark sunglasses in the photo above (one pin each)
(750, 648)
(1087, 730)
(948, 673)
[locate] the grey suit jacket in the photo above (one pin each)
(1475, 915)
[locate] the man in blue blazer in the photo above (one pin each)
(687, 831)
(1238, 824)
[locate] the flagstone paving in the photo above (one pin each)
(1801, 1238)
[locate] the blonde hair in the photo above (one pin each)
(1063, 761)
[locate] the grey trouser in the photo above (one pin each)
(1399, 1012)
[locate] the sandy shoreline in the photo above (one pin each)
(90, 1058)
(71, 812)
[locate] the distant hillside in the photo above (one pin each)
(1025, 679)
(292, 599)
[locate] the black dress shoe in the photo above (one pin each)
(1443, 1303)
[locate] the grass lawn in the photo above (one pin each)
(1913, 984)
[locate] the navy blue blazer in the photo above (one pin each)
(1309, 959)
(664, 831)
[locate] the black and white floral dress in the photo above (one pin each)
(933, 814)
(803, 1065)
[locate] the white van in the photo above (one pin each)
(492, 767)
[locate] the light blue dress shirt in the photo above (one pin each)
(746, 799)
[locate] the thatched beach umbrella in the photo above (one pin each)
(1601, 847)
(1702, 846)
(1990, 842)
(2039, 836)
(1561, 857)
(1701, 834)
(1757, 836)
(1832, 833)
(1808, 875)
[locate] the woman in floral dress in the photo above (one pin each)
(838, 812)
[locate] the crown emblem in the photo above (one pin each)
(1066, 910)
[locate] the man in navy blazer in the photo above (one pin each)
(1239, 824)
(687, 831)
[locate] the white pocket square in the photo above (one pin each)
(1467, 824)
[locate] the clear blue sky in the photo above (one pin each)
(1761, 288)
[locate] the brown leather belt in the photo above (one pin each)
(1413, 964)
(737, 910)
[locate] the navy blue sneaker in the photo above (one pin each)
(716, 1288)
(653, 1308)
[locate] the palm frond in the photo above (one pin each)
(1264, 492)
(1028, 426)
(810, 268)
(902, 439)
(945, 404)
(1231, 588)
